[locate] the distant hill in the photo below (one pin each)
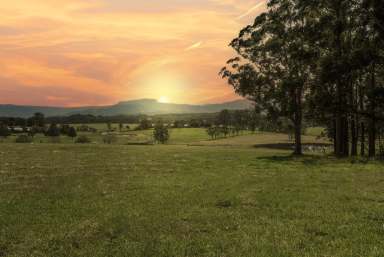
(142, 106)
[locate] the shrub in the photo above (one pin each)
(144, 124)
(4, 131)
(109, 138)
(82, 140)
(53, 131)
(161, 134)
(211, 131)
(72, 132)
(24, 139)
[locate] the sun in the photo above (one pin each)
(163, 99)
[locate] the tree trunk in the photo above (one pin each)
(372, 119)
(298, 145)
(354, 137)
(298, 122)
(372, 138)
(339, 135)
(345, 137)
(362, 140)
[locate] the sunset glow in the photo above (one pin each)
(97, 52)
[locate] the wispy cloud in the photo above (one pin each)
(251, 10)
(96, 51)
(194, 46)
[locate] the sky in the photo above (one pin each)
(99, 52)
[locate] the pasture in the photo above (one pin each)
(184, 200)
(181, 136)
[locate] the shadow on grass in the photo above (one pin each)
(290, 146)
(309, 160)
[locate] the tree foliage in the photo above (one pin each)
(322, 60)
(161, 133)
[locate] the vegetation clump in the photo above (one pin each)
(72, 132)
(161, 134)
(83, 140)
(24, 139)
(4, 131)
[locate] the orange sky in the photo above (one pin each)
(97, 52)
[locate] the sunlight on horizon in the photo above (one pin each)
(163, 99)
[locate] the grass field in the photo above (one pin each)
(181, 136)
(178, 200)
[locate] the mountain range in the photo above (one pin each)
(133, 107)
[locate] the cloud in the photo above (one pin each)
(100, 49)
(251, 10)
(194, 46)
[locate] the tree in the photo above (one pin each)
(212, 132)
(38, 120)
(53, 131)
(224, 118)
(72, 132)
(144, 124)
(4, 131)
(274, 62)
(349, 70)
(64, 129)
(161, 133)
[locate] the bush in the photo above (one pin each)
(24, 139)
(53, 131)
(72, 132)
(82, 140)
(4, 131)
(109, 139)
(144, 125)
(161, 134)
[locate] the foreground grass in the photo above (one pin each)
(95, 200)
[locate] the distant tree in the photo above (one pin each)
(4, 131)
(121, 127)
(38, 120)
(64, 129)
(252, 121)
(53, 131)
(109, 126)
(224, 118)
(161, 133)
(211, 131)
(144, 124)
(72, 132)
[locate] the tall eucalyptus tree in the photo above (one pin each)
(274, 62)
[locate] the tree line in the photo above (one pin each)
(316, 60)
(233, 123)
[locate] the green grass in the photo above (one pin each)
(180, 136)
(98, 200)
(314, 131)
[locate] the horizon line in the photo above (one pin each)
(119, 102)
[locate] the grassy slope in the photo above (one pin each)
(96, 200)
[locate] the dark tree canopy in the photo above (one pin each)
(322, 60)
